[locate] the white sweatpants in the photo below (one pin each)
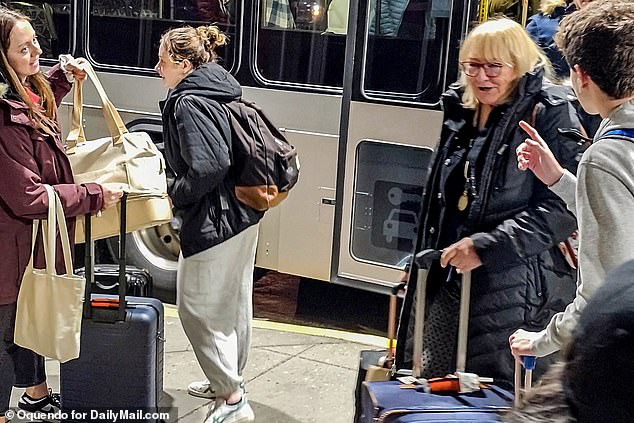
(214, 297)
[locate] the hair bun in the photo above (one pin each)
(211, 37)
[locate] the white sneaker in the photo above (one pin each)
(201, 389)
(225, 413)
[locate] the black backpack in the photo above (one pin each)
(264, 164)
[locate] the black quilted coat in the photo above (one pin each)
(197, 141)
(516, 223)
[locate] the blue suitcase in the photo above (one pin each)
(120, 366)
(389, 402)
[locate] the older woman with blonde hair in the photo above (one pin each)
(486, 215)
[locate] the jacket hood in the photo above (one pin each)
(7, 92)
(211, 81)
(620, 118)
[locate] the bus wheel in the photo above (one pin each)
(155, 250)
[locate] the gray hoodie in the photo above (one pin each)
(602, 198)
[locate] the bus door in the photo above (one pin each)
(403, 58)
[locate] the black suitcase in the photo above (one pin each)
(120, 367)
(106, 280)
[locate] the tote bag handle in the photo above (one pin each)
(55, 217)
(115, 124)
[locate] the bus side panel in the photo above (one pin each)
(392, 128)
(308, 213)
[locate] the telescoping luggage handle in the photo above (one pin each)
(424, 260)
(528, 363)
(391, 323)
(120, 303)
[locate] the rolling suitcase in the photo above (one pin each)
(120, 367)
(391, 402)
(106, 280)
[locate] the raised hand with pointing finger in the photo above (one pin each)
(535, 155)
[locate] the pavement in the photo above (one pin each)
(295, 374)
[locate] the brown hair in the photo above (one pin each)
(198, 45)
(600, 39)
(46, 115)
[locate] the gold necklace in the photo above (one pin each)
(463, 201)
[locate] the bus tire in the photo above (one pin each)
(155, 250)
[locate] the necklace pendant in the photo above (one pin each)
(463, 201)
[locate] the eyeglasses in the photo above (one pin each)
(491, 70)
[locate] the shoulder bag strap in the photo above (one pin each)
(629, 133)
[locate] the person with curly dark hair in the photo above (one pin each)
(598, 43)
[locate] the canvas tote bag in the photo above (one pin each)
(49, 307)
(124, 160)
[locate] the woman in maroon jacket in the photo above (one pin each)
(31, 154)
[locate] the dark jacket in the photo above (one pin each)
(542, 28)
(599, 365)
(28, 159)
(515, 222)
(197, 140)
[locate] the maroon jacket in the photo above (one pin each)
(28, 159)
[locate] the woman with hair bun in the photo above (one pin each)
(218, 233)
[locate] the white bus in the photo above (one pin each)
(354, 85)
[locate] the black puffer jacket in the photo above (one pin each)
(197, 140)
(515, 222)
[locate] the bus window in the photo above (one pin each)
(113, 25)
(51, 22)
(407, 45)
(388, 188)
(294, 46)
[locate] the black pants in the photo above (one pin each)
(19, 367)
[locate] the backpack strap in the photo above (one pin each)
(629, 133)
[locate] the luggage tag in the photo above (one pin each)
(461, 383)
(471, 382)
(410, 382)
(378, 374)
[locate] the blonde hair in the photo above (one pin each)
(547, 7)
(198, 45)
(45, 119)
(500, 40)
(497, 7)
